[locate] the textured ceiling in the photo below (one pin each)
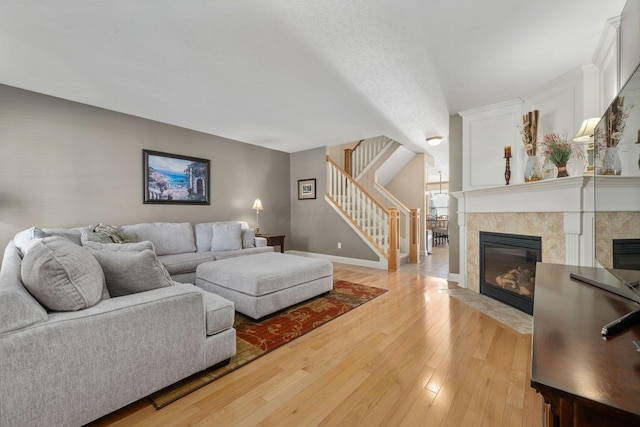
(293, 75)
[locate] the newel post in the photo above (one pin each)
(394, 239)
(414, 236)
(348, 152)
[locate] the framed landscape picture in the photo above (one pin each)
(306, 189)
(175, 179)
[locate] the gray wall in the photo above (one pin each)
(455, 184)
(68, 164)
(315, 226)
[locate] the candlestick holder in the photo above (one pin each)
(507, 170)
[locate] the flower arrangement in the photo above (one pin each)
(529, 131)
(609, 131)
(558, 150)
(615, 120)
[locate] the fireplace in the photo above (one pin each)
(626, 254)
(508, 268)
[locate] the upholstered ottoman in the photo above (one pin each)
(262, 284)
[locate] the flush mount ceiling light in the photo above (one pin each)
(434, 140)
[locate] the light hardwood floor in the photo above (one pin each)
(413, 356)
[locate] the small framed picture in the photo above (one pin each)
(174, 179)
(306, 189)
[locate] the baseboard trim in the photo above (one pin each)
(455, 277)
(343, 260)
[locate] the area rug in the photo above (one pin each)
(255, 339)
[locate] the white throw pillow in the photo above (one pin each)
(226, 237)
(248, 237)
(24, 239)
(130, 267)
(61, 275)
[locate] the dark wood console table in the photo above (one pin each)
(584, 379)
(274, 240)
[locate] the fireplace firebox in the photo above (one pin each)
(626, 254)
(508, 268)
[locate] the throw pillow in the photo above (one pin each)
(248, 237)
(24, 239)
(61, 275)
(93, 236)
(130, 267)
(112, 232)
(226, 237)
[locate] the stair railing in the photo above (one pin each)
(376, 223)
(357, 159)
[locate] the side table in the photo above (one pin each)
(274, 240)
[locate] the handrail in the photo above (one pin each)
(393, 198)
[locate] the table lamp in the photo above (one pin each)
(257, 205)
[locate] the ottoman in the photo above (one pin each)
(261, 284)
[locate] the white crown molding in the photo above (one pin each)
(491, 108)
(608, 43)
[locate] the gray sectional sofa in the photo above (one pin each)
(74, 355)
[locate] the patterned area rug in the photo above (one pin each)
(254, 339)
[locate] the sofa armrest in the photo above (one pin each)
(261, 242)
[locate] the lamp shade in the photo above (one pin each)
(257, 205)
(434, 140)
(586, 130)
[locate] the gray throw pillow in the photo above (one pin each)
(130, 267)
(61, 275)
(226, 237)
(248, 237)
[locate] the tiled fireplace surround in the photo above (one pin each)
(560, 211)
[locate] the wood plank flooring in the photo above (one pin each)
(411, 357)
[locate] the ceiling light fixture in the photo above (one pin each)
(434, 140)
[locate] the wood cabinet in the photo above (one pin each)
(584, 379)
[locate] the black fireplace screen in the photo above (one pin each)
(508, 268)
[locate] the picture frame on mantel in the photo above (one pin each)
(174, 179)
(306, 189)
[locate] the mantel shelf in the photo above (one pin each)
(570, 194)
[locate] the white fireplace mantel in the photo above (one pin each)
(553, 195)
(536, 208)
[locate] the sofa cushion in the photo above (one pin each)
(25, 238)
(167, 237)
(130, 267)
(248, 237)
(241, 252)
(226, 237)
(61, 275)
(185, 263)
(204, 232)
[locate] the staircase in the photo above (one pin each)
(376, 224)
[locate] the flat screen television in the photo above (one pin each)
(617, 199)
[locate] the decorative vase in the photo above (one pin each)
(611, 164)
(578, 161)
(562, 170)
(549, 170)
(532, 169)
